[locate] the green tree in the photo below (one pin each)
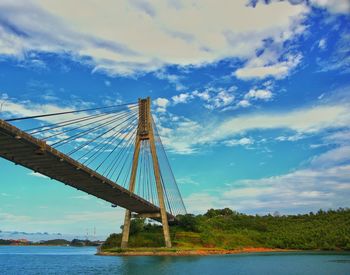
(188, 222)
(113, 240)
(137, 225)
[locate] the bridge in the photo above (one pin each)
(114, 153)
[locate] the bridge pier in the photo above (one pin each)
(145, 132)
(126, 229)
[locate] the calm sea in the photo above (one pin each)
(73, 260)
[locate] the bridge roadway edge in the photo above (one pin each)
(21, 148)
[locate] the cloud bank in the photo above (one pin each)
(123, 37)
(184, 135)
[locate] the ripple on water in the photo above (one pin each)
(71, 260)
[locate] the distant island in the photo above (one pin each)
(222, 231)
(54, 242)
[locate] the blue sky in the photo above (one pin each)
(251, 99)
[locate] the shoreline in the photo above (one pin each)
(195, 252)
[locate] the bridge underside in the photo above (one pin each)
(23, 149)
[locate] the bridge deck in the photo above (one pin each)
(22, 148)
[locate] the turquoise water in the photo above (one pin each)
(74, 260)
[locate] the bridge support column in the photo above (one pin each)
(160, 193)
(145, 132)
(126, 229)
(127, 219)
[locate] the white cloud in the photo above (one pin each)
(309, 189)
(221, 99)
(260, 68)
(181, 98)
(339, 137)
(333, 157)
(177, 134)
(202, 95)
(306, 120)
(9, 217)
(243, 103)
(35, 174)
(82, 197)
(199, 203)
(322, 44)
(325, 183)
(333, 6)
(295, 192)
(28, 108)
(295, 137)
(339, 59)
(99, 216)
(187, 180)
(111, 218)
(157, 33)
(161, 104)
(243, 141)
(171, 78)
(215, 97)
(258, 94)
(184, 135)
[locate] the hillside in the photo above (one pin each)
(227, 229)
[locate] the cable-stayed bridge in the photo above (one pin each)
(114, 153)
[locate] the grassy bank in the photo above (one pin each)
(226, 230)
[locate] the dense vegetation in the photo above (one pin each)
(227, 229)
(5, 242)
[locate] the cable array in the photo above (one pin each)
(174, 202)
(99, 138)
(145, 185)
(103, 139)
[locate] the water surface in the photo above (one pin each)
(81, 260)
